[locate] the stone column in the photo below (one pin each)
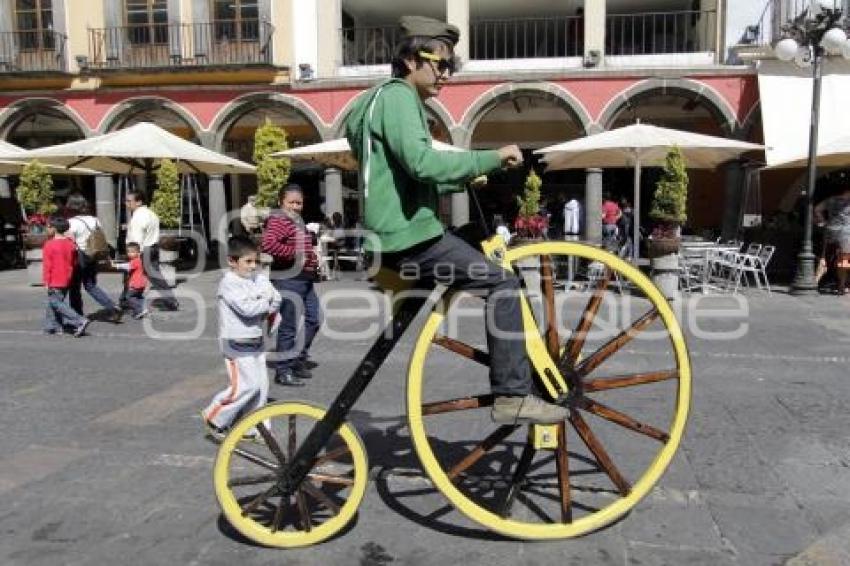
(594, 27)
(593, 206)
(217, 212)
(732, 199)
(333, 191)
(460, 209)
(5, 189)
(457, 13)
(104, 198)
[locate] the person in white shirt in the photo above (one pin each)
(572, 219)
(250, 217)
(143, 229)
(82, 225)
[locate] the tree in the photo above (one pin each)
(670, 201)
(166, 198)
(35, 191)
(272, 172)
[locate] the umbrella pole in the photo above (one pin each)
(636, 215)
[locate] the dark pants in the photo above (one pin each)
(135, 299)
(85, 277)
(158, 283)
(58, 313)
(451, 261)
(300, 316)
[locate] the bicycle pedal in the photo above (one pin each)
(545, 437)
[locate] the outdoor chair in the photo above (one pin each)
(755, 264)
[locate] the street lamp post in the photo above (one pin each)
(809, 37)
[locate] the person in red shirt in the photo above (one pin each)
(611, 214)
(294, 269)
(59, 259)
(137, 281)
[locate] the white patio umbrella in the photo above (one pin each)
(834, 153)
(337, 153)
(136, 149)
(10, 155)
(638, 145)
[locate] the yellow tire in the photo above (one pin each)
(246, 473)
(607, 455)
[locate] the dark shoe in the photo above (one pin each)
(301, 371)
(309, 364)
(116, 316)
(288, 378)
(81, 329)
(213, 432)
(527, 409)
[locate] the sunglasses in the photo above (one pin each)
(443, 64)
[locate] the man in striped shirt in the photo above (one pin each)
(294, 268)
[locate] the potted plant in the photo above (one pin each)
(166, 205)
(35, 193)
(669, 211)
(529, 223)
(272, 172)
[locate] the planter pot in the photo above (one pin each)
(659, 247)
(665, 274)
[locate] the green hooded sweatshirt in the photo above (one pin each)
(402, 175)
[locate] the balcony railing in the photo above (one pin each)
(368, 45)
(221, 42)
(32, 51)
(655, 33)
(775, 14)
(525, 38)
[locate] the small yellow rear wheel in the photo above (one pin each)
(247, 476)
(621, 351)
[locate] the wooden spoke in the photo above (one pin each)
(629, 380)
(327, 478)
(485, 446)
(475, 402)
(602, 457)
(254, 503)
(256, 459)
(579, 335)
(553, 341)
(612, 346)
(562, 465)
(623, 420)
(463, 349)
(303, 512)
(320, 496)
(519, 475)
(332, 455)
(277, 520)
(271, 443)
(292, 436)
(251, 480)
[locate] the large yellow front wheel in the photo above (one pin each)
(247, 478)
(623, 356)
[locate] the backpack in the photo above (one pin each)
(96, 245)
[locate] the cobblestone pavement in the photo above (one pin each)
(102, 459)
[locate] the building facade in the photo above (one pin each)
(535, 73)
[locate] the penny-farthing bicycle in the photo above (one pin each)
(611, 350)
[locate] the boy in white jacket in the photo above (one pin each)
(246, 300)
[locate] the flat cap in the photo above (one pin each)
(428, 27)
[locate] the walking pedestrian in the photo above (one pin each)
(834, 213)
(246, 300)
(294, 272)
(134, 288)
(403, 177)
(87, 233)
(59, 260)
(143, 229)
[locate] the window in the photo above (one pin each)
(147, 21)
(34, 21)
(236, 20)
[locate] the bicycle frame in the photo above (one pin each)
(546, 368)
